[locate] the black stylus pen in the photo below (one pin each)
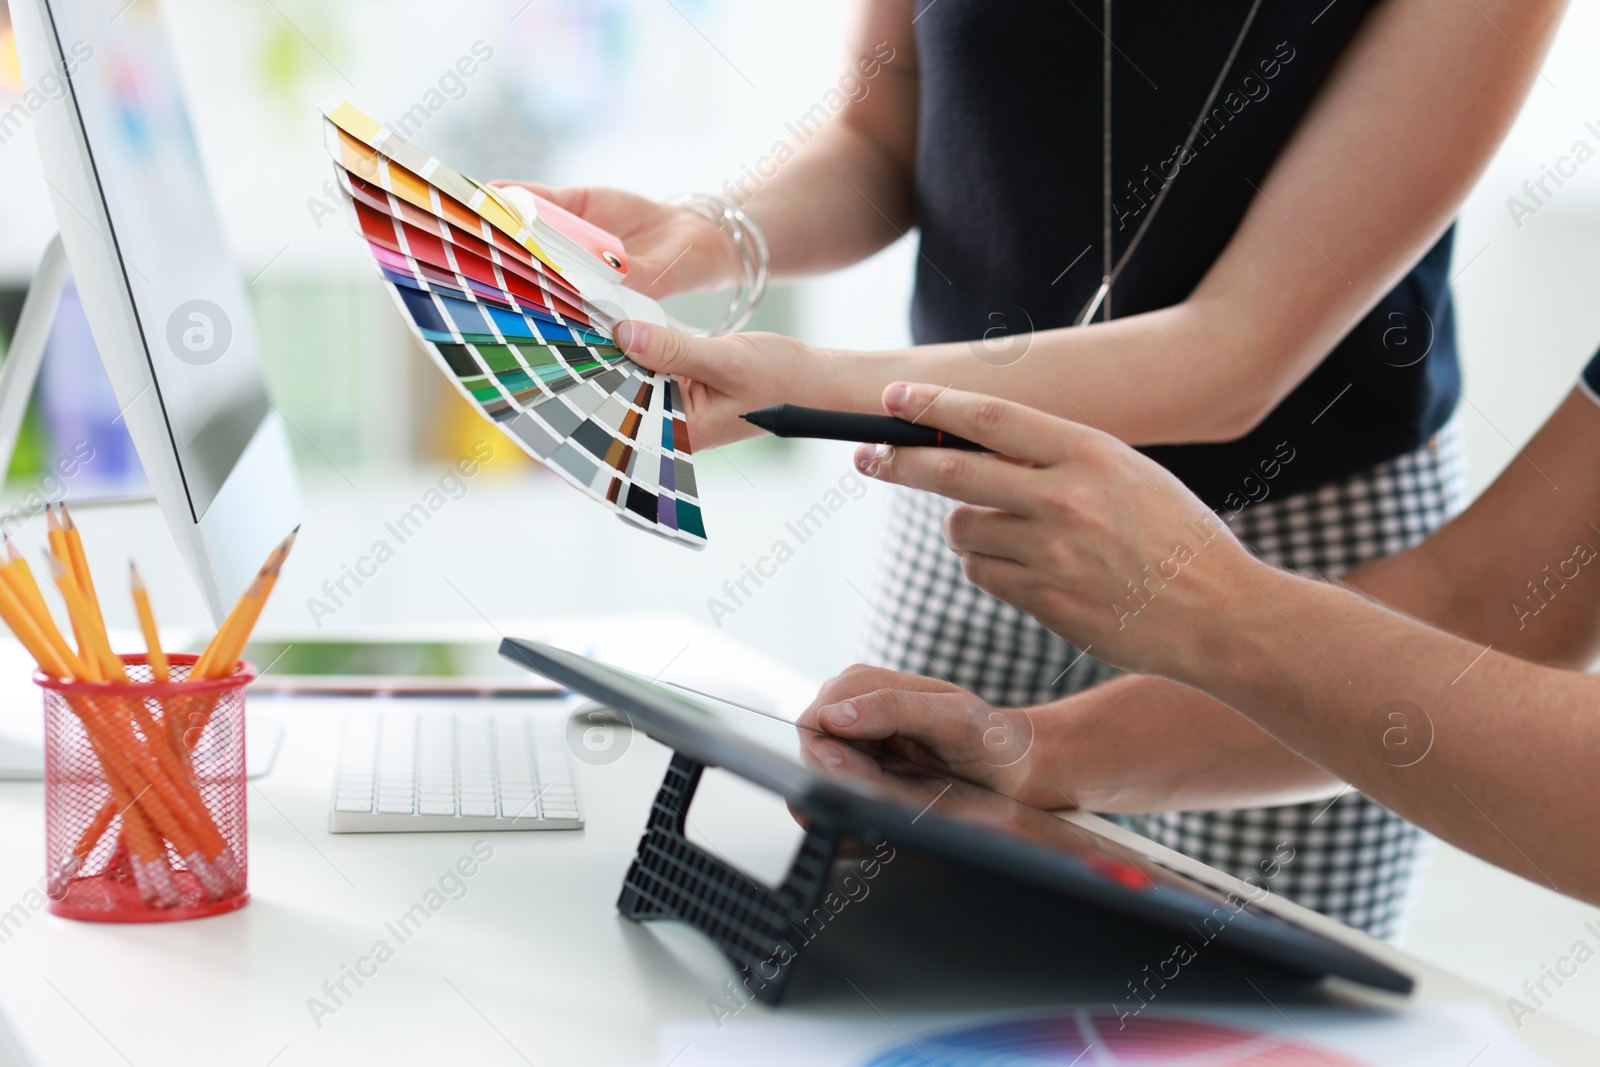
(787, 420)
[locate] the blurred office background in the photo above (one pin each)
(665, 96)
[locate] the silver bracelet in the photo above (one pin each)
(751, 246)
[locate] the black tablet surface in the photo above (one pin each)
(877, 797)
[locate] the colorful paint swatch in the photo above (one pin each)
(407, 240)
(518, 313)
(558, 238)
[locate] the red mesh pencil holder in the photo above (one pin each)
(145, 794)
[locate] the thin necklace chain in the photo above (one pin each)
(1111, 271)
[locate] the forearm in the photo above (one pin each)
(1083, 374)
(1483, 750)
(1143, 744)
(1369, 180)
(1517, 568)
(840, 199)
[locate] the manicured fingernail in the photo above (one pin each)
(895, 397)
(869, 458)
(842, 714)
(632, 336)
(828, 753)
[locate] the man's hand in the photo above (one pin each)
(931, 723)
(1105, 547)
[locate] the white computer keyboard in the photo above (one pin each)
(407, 768)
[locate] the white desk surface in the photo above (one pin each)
(531, 965)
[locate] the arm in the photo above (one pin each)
(1140, 743)
(1490, 752)
(1509, 772)
(1514, 569)
(1134, 744)
(1392, 143)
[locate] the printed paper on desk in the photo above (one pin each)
(1448, 1036)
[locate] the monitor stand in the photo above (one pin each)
(21, 762)
(28, 343)
(759, 928)
(26, 356)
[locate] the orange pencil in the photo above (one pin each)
(61, 555)
(151, 871)
(80, 564)
(89, 631)
(134, 768)
(112, 667)
(223, 650)
(159, 671)
(86, 844)
(27, 631)
(19, 578)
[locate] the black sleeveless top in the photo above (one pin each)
(1009, 194)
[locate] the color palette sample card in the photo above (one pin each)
(517, 301)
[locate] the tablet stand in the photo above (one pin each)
(755, 926)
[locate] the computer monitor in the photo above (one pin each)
(165, 303)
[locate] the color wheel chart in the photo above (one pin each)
(1102, 1038)
(516, 300)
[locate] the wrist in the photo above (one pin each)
(854, 380)
(840, 382)
(742, 240)
(720, 258)
(1252, 653)
(1048, 776)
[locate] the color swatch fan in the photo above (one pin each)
(517, 301)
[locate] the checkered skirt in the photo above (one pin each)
(1352, 858)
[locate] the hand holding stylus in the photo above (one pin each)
(1084, 533)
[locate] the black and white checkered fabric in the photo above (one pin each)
(1353, 859)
